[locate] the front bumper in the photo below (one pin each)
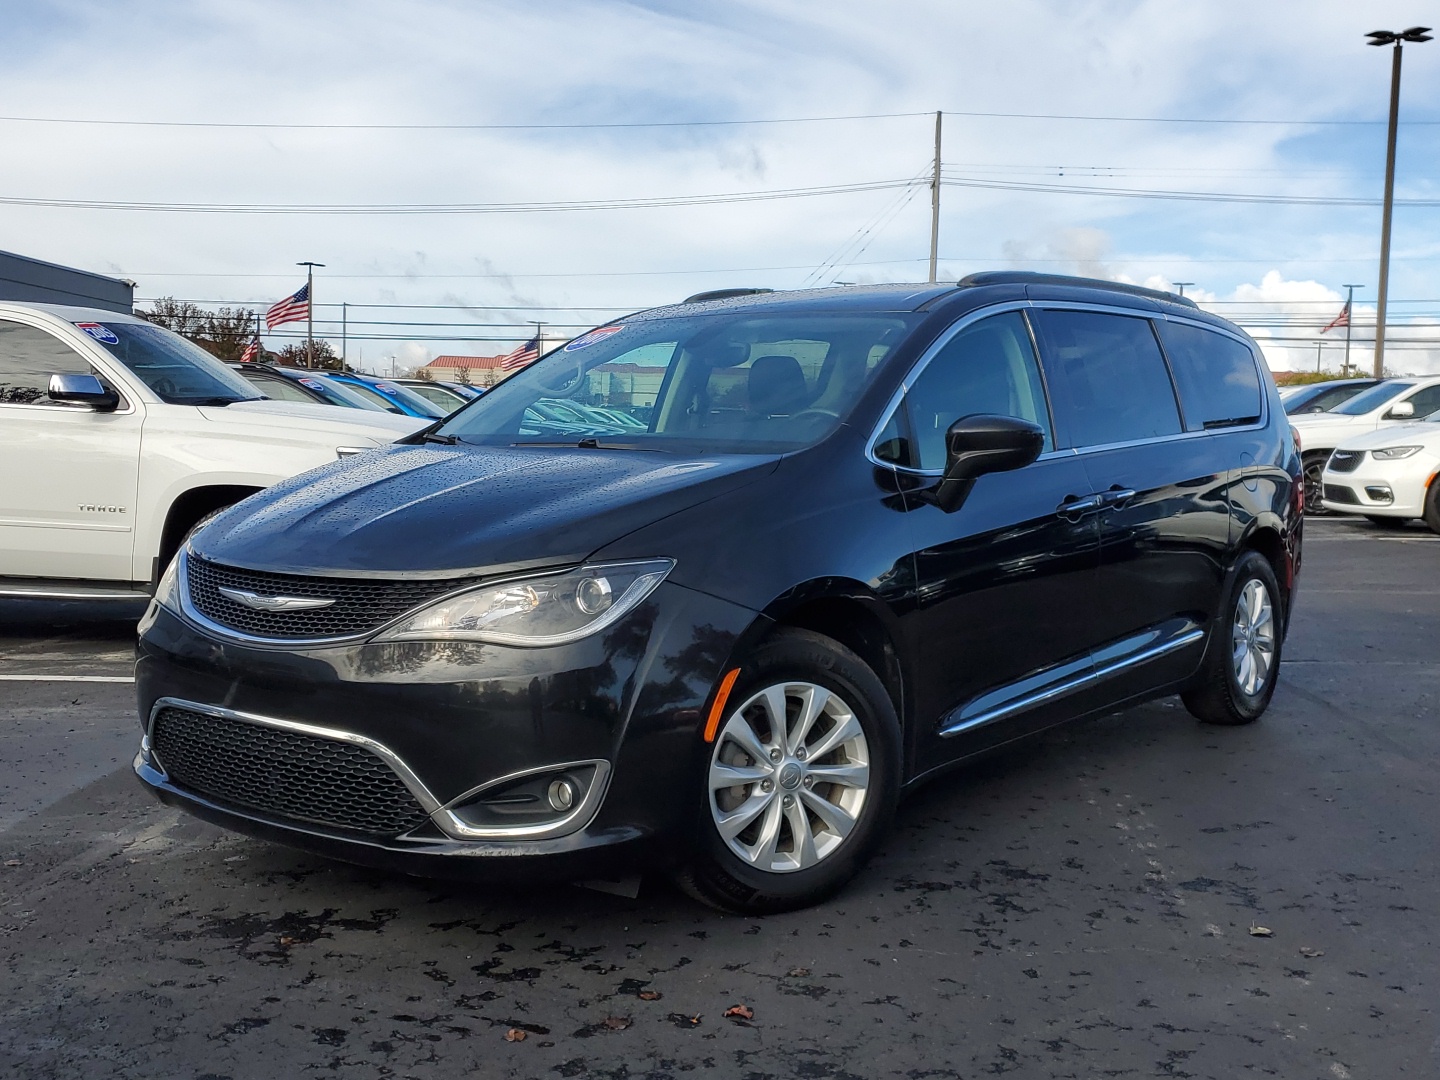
(451, 719)
(1363, 490)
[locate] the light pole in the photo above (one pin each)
(1349, 322)
(309, 311)
(1416, 34)
(1181, 285)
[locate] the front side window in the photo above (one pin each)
(1425, 401)
(178, 371)
(1370, 400)
(28, 357)
(1218, 380)
(727, 382)
(1108, 379)
(989, 367)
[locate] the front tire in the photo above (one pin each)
(1432, 506)
(1387, 522)
(801, 782)
(1314, 464)
(1242, 659)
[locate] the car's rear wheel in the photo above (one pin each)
(1314, 481)
(800, 782)
(1242, 659)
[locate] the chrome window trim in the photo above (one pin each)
(440, 813)
(1060, 305)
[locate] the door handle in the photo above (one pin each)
(1116, 497)
(1076, 507)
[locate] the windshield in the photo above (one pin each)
(732, 382)
(395, 398)
(1371, 399)
(177, 370)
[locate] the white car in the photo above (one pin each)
(118, 436)
(1388, 475)
(1388, 403)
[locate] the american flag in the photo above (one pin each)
(252, 351)
(1343, 319)
(291, 309)
(525, 354)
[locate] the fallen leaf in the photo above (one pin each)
(650, 995)
(617, 1023)
(12, 862)
(1261, 931)
(1309, 953)
(286, 939)
(515, 1035)
(799, 973)
(740, 1012)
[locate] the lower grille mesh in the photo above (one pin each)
(1345, 460)
(1338, 493)
(284, 774)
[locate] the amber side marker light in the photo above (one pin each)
(717, 710)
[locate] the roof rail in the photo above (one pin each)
(1030, 277)
(722, 294)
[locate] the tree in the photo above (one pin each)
(462, 376)
(223, 333)
(325, 356)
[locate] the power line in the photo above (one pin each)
(1182, 196)
(457, 208)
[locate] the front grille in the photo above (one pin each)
(361, 604)
(1345, 460)
(283, 774)
(1338, 493)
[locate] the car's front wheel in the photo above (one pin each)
(1314, 481)
(800, 782)
(1432, 506)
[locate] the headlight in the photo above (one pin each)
(167, 589)
(1394, 453)
(555, 609)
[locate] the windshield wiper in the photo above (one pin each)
(216, 401)
(437, 437)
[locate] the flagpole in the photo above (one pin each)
(309, 311)
(1349, 320)
(344, 335)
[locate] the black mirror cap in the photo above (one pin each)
(985, 443)
(85, 390)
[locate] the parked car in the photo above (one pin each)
(388, 395)
(118, 436)
(301, 384)
(1391, 476)
(448, 396)
(1323, 396)
(865, 535)
(1388, 402)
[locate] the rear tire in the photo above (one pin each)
(810, 797)
(1242, 658)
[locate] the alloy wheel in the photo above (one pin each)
(788, 777)
(1253, 638)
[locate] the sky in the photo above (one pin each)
(245, 106)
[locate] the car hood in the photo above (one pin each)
(1321, 430)
(443, 509)
(1424, 433)
(313, 416)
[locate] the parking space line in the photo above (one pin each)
(68, 678)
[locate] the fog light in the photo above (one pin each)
(561, 795)
(1380, 493)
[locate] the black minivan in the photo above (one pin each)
(842, 540)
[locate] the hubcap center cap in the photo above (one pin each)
(790, 776)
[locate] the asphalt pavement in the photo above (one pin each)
(1137, 896)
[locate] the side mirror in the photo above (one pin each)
(980, 444)
(84, 389)
(1401, 410)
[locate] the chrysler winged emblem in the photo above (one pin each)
(273, 603)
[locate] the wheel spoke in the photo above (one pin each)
(836, 818)
(856, 776)
(728, 776)
(805, 854)
(734, 823)
(774, 701)
(763, 853)
(1246, 673)
(846, 729)
(739, 731)
(813, 700)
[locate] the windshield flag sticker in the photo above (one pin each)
(99, 333)
(598, 334)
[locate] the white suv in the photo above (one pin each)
(1393, 401)
(1391, 476)
(118, 436)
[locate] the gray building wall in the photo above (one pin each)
(33, 281)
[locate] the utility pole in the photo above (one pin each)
(1181, 285)
(309, 311)
(1386, 37)
(539, 340)
(344, 336)
(1318, 346)
(1349, 322)
(935, 205)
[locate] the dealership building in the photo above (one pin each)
(34, 281)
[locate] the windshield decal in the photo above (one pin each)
(99, 333)
(598, 334)
(313, 384)
(385, 388)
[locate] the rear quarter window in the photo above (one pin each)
(1217, 376)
